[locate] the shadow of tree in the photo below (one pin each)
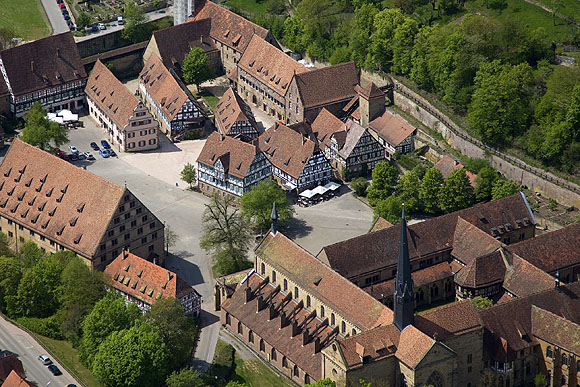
(296, 228)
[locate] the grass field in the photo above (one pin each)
(250, 6)
(69, 356)
(26, 18)
(257, 374)
(570, 8)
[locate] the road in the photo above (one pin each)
(22, 344)
(55, 16)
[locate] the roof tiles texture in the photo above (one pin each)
(231, 109)
(236, 156)
(49, 196)
(392, 127)
(470, 242)
(324, 283)
(327, 84)
(110, 95)
(449, 320)
(370, 91)
(43, 63)
(15, 380)
(325, 125)
(556, 329)
(447, 164)
(270, 65)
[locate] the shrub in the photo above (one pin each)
(359, 186)
(48, 326)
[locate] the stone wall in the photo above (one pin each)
(539, 181)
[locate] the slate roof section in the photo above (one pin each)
(380, 224)
(523, 278)
(449, 320)
(110, 95)
(287, 149)
(236, 156)
(392, 127)
(556, 330)
(227, 27)
(552, 251)
(145, 280)
(42, 64)
(304, 356)
(231, 109)
(322, 282)
(327, 85)
(174, 43)
(270, 65)
(49, 196)
(512, 320)
(376, 250)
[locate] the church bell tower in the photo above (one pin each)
(404, 302)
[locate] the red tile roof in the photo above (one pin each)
(231, 109)
(370, 91)
(145, 280)
(110, 95)
(449, 320)
(482, 271)
(236, 156)
(42, 64)
(447, 165)
(556, 330)
(227, 27)
(523, 278)
(325, 125)
(470, 242)
(9, 364)
(552, 251)
(327, 85)
(270, 65)
(392, 127)
(15, 380)
(322, 282)
(49, 196)
(380, 224)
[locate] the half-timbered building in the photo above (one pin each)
(229, 166)
(170, 102)
(234, 118)
(394, 133)
(298, 163)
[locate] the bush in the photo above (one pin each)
(552, 204)
(48, 326)
(191, 135)
(359, 186)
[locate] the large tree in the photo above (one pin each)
(39, 290)
(384, 182)
(503, 188)
(186, 377)
(389, 209)
(40, 131)
(134, 357)
(136, 29)
(225, 234)
(457, 192)
(257, 204)
(109, 314)
(10, 275)
(189, 174)
(486, 178)
(196, 67)
(429, 192)
(177, 329)
(408, 191)
(30, 254)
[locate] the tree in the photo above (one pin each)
(408, 191)
(257, 204)
(40, 131)
(322, 383)
(196, 68)
(457, 192)
(135, 29)
(385, 24)
(225, 234)
(384, 182)
(83, 20)
(389, 209)
(109, 314)
(189, 174)
(6, 36)
(134, 357)
(177, 329)
(502, 188)
(186, 377)
(429, 191)
(10, 275)
(482, 302)
(30, 254)
(170, 238)
(39, 290)
(5, 246)
(484, 182)
(556, 6)
(359, 185)
(540, 380)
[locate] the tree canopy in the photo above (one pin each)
(189, 174)
(429, 191)
(408, 191)
(185, 377)
(257, 204)
(457, 192)
(486, 178)
(196, 68)
(385, 178)
(39, 290)
(40, 131)
(503, 188)
(389, 209)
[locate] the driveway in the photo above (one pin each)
(27, 349)
(55, 16)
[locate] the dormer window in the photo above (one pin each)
(49, 193)
(59, 199)
(31, 202)
(64, 189)
(29, 183)
(78, 239)
(41, 207)
(59, 232)
(73, 221)
(45, 225)
(35, 219)
(43, 180)
(51, 213)
(81, 207)
(7, 173)
(13, 210)
(24, 213)
(21, 196)
(11, 191)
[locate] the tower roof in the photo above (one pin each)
(404, 302)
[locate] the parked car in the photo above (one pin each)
(112, 153)
(89, 156)
(120, 20)
(102, 26)
(44, 359)
(54, 369)
(59, 1)
(103, 152)
(61, 5)
(74, 157)
(94, 146)
(73, 149)
(94, 28)
(105, 144)
(66, 17)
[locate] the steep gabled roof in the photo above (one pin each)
(392, 127)
(15, 380)
(556, 330)
(145, 280)
(110, 95)
(369, 91)
(327, 84)
(482, 271)
(227, 27)
(231, 109)
(325, 125)
(449, 320)
(56, 199)
(470, 242)
(270, 65)
(236, 156)
(43, 63)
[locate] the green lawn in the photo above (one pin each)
(570, 8)
(26, 18)
(69, 356)
(211, 100)
(257, 374)
(251, 6)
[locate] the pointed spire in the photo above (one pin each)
(274, 218)
(404, 297)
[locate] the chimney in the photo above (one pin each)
(305, 337)
(557, 280)
(168, 276)
(295, 329)
(124, 253)
(32, 65)
(260, 304)
(58, 52)
(303, 140)
(248, 294)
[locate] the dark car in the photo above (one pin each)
(54, 369)
(105, 144)
(66, 17)
(94, 146)
(95, 28)
(112, 153)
